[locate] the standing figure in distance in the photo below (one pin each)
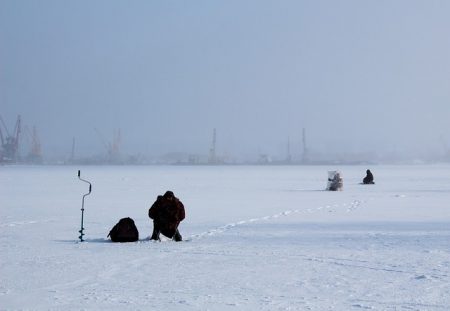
(167, 212)
(369, 178)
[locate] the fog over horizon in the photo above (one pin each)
(359, 76)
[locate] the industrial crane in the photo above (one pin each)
(35, 154)
(9, 152)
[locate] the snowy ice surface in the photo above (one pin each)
(256, 238)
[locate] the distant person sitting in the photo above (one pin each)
(369, 178)
(167, 212)
(335, 181)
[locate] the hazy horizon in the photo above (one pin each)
(360, 76)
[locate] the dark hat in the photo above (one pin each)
(169, 194)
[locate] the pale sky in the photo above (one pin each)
(360, 76)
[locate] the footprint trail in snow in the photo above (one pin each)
(349, 207)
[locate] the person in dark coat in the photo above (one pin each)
(167, 212)
(369, 178)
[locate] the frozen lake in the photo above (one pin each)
(257, 238)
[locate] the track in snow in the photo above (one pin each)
(329, 208)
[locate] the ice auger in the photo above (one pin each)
(82, 206)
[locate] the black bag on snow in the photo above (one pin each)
(124, 231)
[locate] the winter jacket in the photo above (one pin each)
(369, 178)
(167, 213)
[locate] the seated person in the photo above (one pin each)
(335, 181)
(369, 178)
